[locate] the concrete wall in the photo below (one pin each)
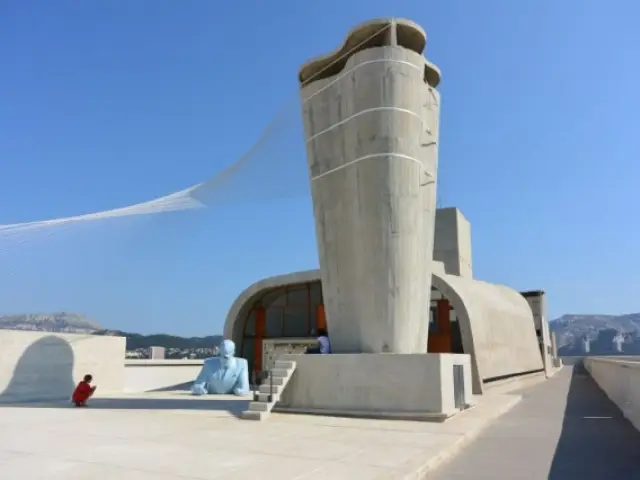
(538, 304)
(160, 375)
(375, 384)
(38, 366)
(452, 244)
(372, 135)
(497, 328)
(619, 378)
(496, 322)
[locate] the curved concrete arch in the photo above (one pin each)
(242, 304)
(496, 322)
(374, 33)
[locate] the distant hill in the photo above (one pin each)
(601, 332)
(135, 340)
(62, 322)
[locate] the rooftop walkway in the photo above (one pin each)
(563, 429)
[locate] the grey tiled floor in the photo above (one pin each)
(563, 429)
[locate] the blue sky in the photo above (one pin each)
(104, 104)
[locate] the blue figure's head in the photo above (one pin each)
(227, 349)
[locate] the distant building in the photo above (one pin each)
(156, 353)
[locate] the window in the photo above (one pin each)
(315, 295)
(275, 298)
(297, 296)
(296, 322)
(433, 323)
(250, 325)
(273, 320)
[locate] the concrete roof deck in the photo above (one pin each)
(564, 428)
(171, 435)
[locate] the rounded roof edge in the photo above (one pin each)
(261, 285)
(359, 35)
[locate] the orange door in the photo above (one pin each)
(440, 340)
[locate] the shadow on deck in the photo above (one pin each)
(596, 441)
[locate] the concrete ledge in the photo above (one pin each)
(416, 416)
(163, 363)
(619, 378)
(160, 375)
(376, 385)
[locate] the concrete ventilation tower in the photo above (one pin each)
(371, 114)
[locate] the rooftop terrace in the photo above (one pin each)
(563, 428)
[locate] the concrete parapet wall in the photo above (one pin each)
(619, 378)
(378, 385)
(158, 375)
(37, 366)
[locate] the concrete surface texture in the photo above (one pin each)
(150, 375)
(40, 365)
(452, 242)
(496, 322)
(371, 124)
(173, 436)
(378, 385)
(563, 429)
(496, 325)
(619, 378)
(538, 303)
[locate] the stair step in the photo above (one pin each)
(276, 381)
(264, 397)
(277, 389)
(286, 364)
(260, 406)
(253, 415)
(280, 372)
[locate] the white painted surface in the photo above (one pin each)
(42, 365)
(619, 378)
(172, 437)
(149, 375)
(375, 384)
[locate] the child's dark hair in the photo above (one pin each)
(88, 377)
(322, 332)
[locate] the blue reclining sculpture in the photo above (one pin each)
(224, 374)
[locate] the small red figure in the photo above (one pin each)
(83, 392)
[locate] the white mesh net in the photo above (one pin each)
(129, 261)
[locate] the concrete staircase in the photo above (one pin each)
(261, 407)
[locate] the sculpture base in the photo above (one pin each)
(411, 386)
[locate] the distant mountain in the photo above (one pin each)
(62, 322)
(601, 332)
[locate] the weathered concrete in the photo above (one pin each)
(452, 244)
(537, 300)
(40, 365)
(372, 134)
(496, 323)
(563, 429)
(368, 385)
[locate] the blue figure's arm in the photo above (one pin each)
(241, 387)
(199, 387)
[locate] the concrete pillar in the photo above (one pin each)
(371, 126)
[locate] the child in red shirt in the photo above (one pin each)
(83, 392)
